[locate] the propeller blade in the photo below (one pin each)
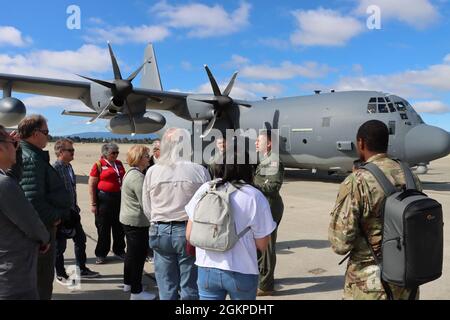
(117, 74)
(214, 85)
(100, 82)
(242, 103)
(101, 114)
(134, 74)
(209, 127)
(131, 117)
(230, 85)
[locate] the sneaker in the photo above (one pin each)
(120, 256)
(87, 273)
(126, 288)
(100, 260)
(264, 293)
(63, 279)
(142, 296)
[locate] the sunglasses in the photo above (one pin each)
(114, 152)
(13, 142)
(44, 132)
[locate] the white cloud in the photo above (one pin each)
(40, 102)
(186, 65)
(201, 20)
(237, 60)
(57, 64)
(127, 34)
(275, 43)
(323, 27)
(245, 91)
(410, 83)
(13, 37)
(434, 106)
(287, 70)
(416, 13)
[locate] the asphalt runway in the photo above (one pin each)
(307, 268)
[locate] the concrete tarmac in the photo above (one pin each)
(307, 268)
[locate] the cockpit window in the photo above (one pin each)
(382, 108)
(380, 105)
(372, 108)
(400, 106)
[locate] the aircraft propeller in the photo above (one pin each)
(120, 88)
(223, 104)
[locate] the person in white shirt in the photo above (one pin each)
(168, 187)
(234, 272)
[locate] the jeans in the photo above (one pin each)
(175, 271)
(107, 219)
(137, 247)
(80, 250)
(215, 284)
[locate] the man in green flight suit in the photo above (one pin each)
(268, 179)
(359, 205)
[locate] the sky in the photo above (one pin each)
(280, 48)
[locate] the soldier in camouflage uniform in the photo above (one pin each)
(359, 205)
(268, 179)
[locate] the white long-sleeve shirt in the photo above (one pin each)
(167, 190)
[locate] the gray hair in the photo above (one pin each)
(108, 148)
(59, 145)
(175, 146)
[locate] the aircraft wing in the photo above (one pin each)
(44, 86)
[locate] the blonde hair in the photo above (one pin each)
(135, 154)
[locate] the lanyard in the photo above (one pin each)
(116, 170)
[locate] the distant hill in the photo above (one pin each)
(110, 135)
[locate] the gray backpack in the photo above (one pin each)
(213, 226)
(412, 243)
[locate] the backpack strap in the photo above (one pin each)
(241, 234)
(409, 178)
(384, 182)
(99, 166)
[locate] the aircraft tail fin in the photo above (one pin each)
(150, 74)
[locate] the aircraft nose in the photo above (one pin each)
(425, 143)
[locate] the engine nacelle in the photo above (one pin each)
(12, 111)
(199, 110)
(145, 123)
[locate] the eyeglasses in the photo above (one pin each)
(13, 142)
(69, 150)
(44, 132)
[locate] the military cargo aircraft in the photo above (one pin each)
(316, 131)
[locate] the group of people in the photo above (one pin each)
(152, 206)
(38, 202)
(149, 205)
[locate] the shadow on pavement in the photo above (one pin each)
(318, 284)
(304, 243)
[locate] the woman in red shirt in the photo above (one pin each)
(105, 182)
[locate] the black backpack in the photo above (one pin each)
(412, 243)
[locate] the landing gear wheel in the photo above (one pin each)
(422, 169)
